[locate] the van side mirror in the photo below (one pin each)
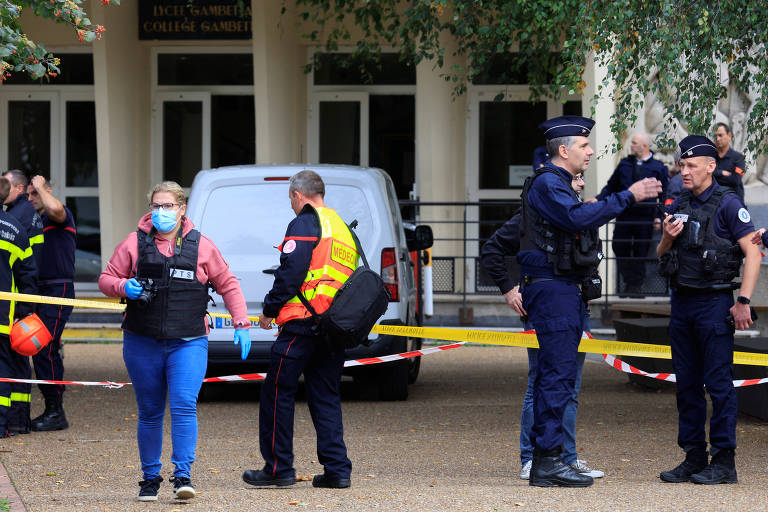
(418, 238)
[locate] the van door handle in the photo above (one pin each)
(271, 270)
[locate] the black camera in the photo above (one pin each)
(147, 294)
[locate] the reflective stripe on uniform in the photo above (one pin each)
(21, 397)
(5, 401)
(37, 239)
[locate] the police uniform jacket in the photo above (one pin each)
(18, 272)
(553, 198)
(630, 170)
(733, 162)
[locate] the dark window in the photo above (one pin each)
(29, 137)
(233, 130)
(340, 132)
(513, 69)
(182, 140)
(572, 108)
(205, 69)
(75, 69)
(391, 138)
(508, 137)
(82, 165)
(341, 69)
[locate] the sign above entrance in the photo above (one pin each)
(194, 19)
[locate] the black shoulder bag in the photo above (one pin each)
(355, 308)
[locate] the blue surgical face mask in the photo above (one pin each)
(164, 221)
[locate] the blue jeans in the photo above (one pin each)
(569, 417)
(160, 369)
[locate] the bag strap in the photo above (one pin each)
(352, 225)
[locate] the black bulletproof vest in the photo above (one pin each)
(180, 299)
(574, 255)
(705, 260)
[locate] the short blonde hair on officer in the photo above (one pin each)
(168, 186)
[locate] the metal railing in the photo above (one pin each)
(460, 229)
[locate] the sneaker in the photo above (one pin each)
(148, 489)
(581, 467)
(525, 472)
(182, 488)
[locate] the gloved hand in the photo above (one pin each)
(133, 288)
(243, 338)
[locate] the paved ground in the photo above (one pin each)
(452, 446)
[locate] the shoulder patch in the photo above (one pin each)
(744, 215)
(289, 247)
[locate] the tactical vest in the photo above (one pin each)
(572, 255)
(334, 258)
(180, 299)
(704, 259)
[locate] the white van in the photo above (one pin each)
(245, 210)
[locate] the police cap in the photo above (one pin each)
(566, 126)
(697, 145)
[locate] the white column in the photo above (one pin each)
(122, 94)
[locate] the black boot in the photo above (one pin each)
(721, 470)
(549, 470)
(53, 418)
(695, 461)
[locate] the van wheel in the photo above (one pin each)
(414, 363)
(393, 381)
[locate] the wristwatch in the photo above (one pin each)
(742, 299)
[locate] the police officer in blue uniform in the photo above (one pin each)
(56, 264)
(634, 226)
(701, 251)
(18, 273)
(18, 205)
(559, 248)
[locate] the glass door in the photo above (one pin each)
(338, 128)
(181, 136)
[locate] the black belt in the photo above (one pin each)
(529, 280)
(688, 292)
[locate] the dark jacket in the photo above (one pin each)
(629, 171)
(18, 272)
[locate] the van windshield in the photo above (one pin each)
(250, 220)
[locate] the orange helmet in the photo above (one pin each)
(29, 335)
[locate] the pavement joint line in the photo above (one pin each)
(8, 491)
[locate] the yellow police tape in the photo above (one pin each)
(510, 339)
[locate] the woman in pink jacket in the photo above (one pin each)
(164, 270)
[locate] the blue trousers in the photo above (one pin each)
(160, 369)
(702, 355)
(556, 310)
(569, 415)
(48, 363)
(294, 354)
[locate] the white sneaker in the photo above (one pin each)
(525, 472)
(581, 467)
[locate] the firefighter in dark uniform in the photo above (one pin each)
(634, 226)
(730, 163)
(18, 205)
(307, 266)
(18, 273)
(558, 249)
(56, 272)
(701, 251)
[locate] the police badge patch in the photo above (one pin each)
(744, 215)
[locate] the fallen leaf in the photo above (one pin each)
(129, 466)
(59, 482)
(624, 460)
(50, 473)
(85, 485)
(294, 502)
(304, 478)
(371, 476)
(477, 463)
(519, 504)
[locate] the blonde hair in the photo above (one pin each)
(168, 186)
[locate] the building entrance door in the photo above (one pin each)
(53, 133)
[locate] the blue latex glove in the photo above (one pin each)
(243, 338)
(133, 288)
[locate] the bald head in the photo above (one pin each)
(640, 145)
